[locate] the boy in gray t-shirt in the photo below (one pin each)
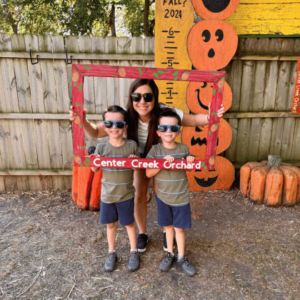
(117, 191)
(173, 200)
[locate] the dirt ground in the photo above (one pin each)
(49, 249)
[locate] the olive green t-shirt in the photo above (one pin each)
(172, 185)
(117, 183)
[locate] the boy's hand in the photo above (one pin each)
(190, 159)
(169, 158)
(133, 156)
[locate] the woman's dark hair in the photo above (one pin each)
(114, 108)
(133, 116)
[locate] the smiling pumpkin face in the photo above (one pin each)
(220, 178)
(199, 95)
(211, 44)
(215, 9)
(196, 138)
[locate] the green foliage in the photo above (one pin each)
(73, 17)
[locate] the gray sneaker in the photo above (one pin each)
(134, 261)
(186, 267)
(110, 262)
(167, 262)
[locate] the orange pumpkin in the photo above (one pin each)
(195, 138)
(210, 9)
(211, 44)
(86, 188)
(273, 186)
(199, 95)
(220, 178)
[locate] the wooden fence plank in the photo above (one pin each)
(235, 83)
(277, 135)
(242, 140)
(2, 184)
(288, 139)
(22, 183)
(265, 139)
(270, 86)
(296, 141)
(6, 145)
(247, 85)
(231, 151)
(258, 87)
(283, 86)
(254, 139)
(35, 76)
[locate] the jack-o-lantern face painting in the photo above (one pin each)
(220, 178)
(199, 95)
(211, 44)
(196, 138)
(215, 9)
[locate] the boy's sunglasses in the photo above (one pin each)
(118, 124)
(164, 128)
(136, 97)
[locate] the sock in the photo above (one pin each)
(134, 250)
(113, 251)
(180, 257)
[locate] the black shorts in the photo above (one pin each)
(178, 216)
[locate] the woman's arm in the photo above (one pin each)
(199, 120)
(94, 131)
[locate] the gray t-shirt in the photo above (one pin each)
(117, 183)
(172, 185)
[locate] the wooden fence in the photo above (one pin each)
(35, 131)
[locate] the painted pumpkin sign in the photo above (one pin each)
(220, 178)
(196, 138)
(211, 44)
(216, 9)
(198, 96)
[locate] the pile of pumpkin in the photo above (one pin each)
(269, 183)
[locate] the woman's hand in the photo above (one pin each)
(73, 114)
(133, 156)
(190, 159)
(169, 158)
(220, 111)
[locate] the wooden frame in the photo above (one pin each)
(79, 71)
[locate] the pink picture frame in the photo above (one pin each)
(79, 71)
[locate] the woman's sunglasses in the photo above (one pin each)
(164, 128)
(136, 97)
(118, 124)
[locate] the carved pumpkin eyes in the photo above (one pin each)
(219, 35)
(206, 36)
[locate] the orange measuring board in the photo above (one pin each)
(296, 98)
(174, 19)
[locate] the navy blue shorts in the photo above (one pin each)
(112, 212)
(178, 216)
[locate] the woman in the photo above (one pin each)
(143, 109)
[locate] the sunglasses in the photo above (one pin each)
(164, 128)
(118, 124)
(136, 97)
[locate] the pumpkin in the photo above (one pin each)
(221, 177)
(86, 188)
(209, 9)
(195, 138)
(270, 185)
(211, 44)
(199, 95)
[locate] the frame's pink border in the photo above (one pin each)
(79, 71)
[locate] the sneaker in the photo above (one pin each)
(110, 262)
(134, 261)
(142, 241)
(167, 262)
(165, 243)
(186, 267)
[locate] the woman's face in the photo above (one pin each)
(143, 108)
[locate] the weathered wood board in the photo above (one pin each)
(270, 17)
(174, 20)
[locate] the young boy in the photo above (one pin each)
(117, 192)
(173, 207)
